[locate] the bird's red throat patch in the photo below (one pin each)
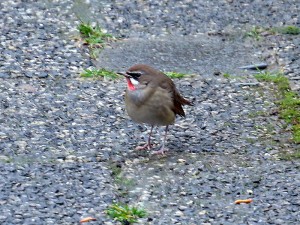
(130, 85)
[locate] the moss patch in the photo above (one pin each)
(176, 75)
(94, 37)
(293, 30)
(289, 102)
(125, 214)
(94, 73)
(255, 33)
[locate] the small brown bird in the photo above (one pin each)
(152, 98)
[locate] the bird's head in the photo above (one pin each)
(138, 76)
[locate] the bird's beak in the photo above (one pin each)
(124, 74)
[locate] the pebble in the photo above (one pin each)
(203, 212)
(181, 160)
(178, 214)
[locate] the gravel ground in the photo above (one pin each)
(61, 136)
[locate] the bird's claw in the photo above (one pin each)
(146, 146)
(160, 151)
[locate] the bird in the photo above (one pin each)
(152, 98)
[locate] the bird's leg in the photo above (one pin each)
(148, 144)
(162, 150)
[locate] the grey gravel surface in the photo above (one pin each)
(62, 136)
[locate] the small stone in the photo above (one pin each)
(217, 73)
(181, 160)
(4, 158)
(28, 88)
(43, 75)
(21, 145)
(203, 212)
(250, 192)
(29, 74)
(178, 214)
(295, 86)
(173, 204)
(190, 202)
(182, 207)
(70, 158)
(108, 223)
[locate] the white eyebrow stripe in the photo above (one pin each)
(136, 72)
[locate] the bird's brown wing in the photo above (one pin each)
(178, 100)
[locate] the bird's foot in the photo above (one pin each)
(161, 151)
(146, 146)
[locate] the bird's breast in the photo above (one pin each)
(150, 106)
